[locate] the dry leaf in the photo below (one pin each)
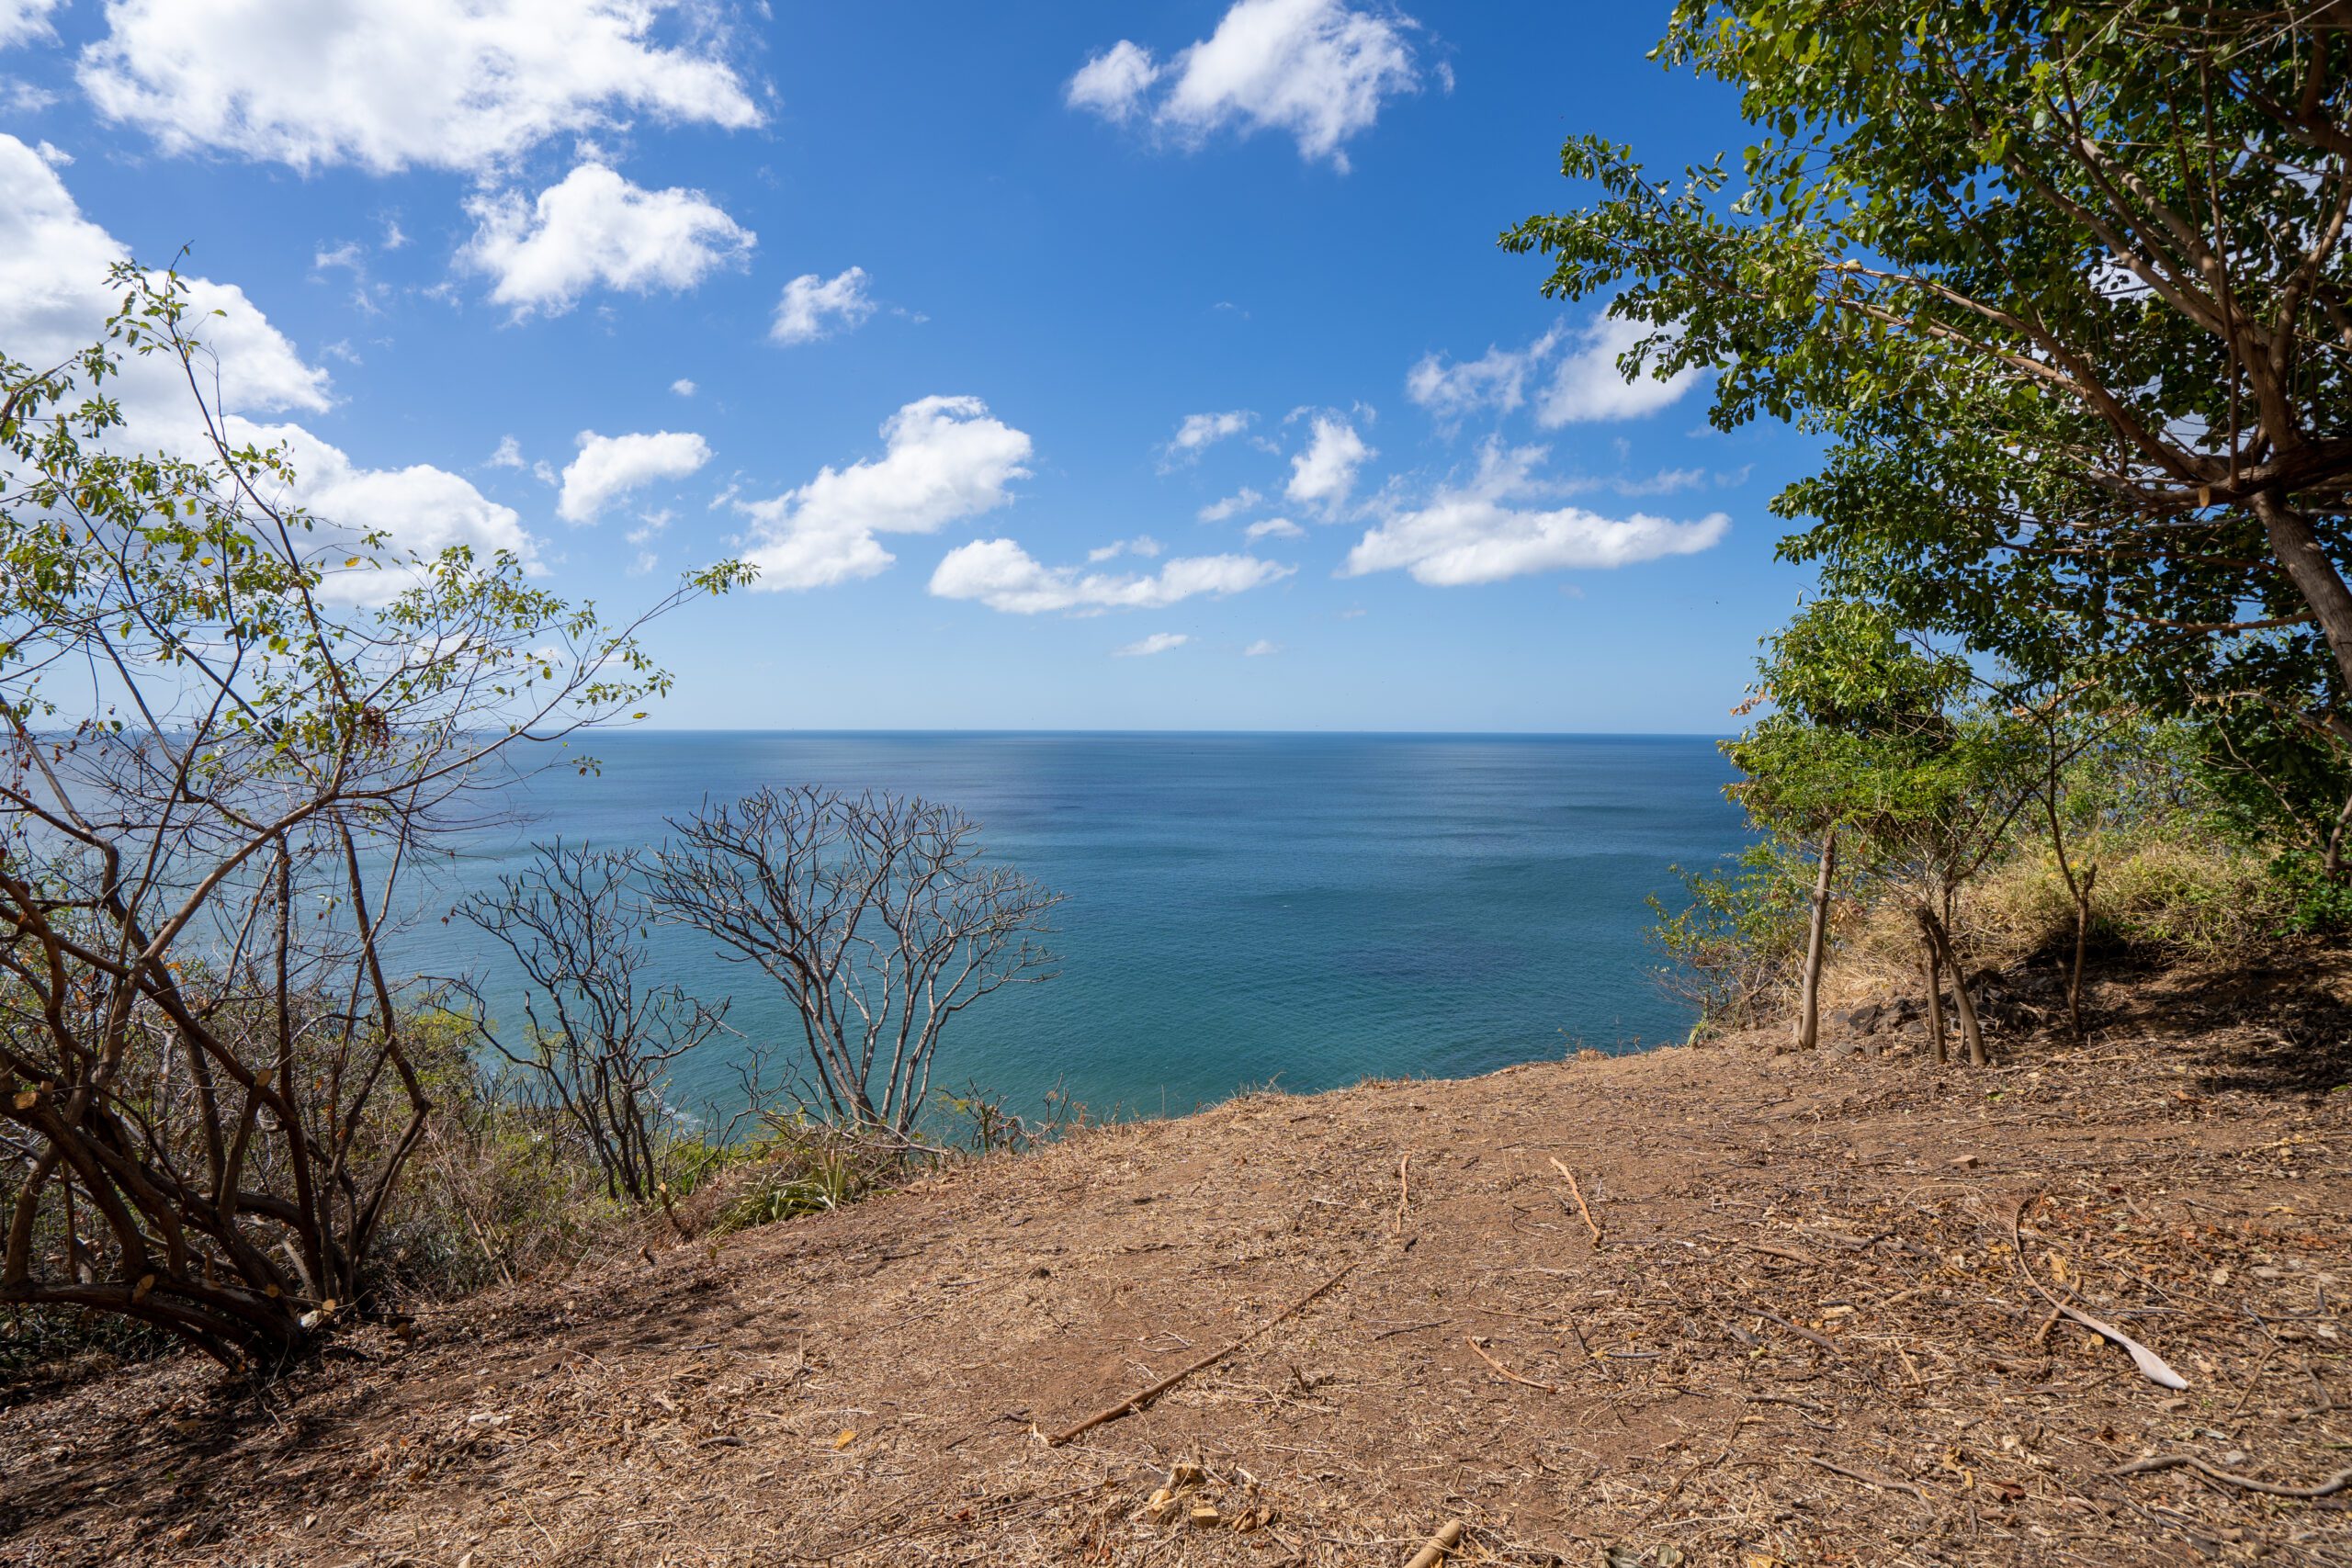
(844, 1438)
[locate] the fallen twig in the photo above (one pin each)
(1799, 1331)
(1766, 1247)
(2152, 1366)
(1448, 1535)
(2328, 1488)
(1881, 1482)
(1577, 1192)
(1590, 1354)
(2253, 1383)
(1137, 1402)
(1501, 1370)
(1404, 1192)
(1411, 1327)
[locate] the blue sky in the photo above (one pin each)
(915, 305)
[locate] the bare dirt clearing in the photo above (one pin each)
(1804, 1335)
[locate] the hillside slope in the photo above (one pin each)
(1802, 1337)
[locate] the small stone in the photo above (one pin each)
(1205, 1516)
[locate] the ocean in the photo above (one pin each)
(1242, 909)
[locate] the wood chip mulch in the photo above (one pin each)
(1818, 1324)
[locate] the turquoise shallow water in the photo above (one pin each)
(1241, 907)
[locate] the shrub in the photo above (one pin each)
(1733, 952)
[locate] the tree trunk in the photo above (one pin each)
(1816, 944)
(1971, 1034)
(1932, 962)
(2082, 941)
(2078, 887)
(2297, 545)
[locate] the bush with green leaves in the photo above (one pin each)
(1731, 952)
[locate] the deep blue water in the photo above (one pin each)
(1241, 907)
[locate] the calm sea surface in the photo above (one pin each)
(1241, 907)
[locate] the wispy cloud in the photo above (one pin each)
(1239, 501)
(1002, 575)
(1158, 642)
(1198, 433)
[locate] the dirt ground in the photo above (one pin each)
(1804, 1334)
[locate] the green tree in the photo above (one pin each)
(216, 776)
(1870, 736)
(2064, 289)
(1849, 696)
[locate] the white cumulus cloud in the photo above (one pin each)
(1158, 642)
(610, 467)
(423, 509)
(1588, 386)
(1316, 69)
(597, 227)
(1113, 83)
(1324, 474)
(1274, 528)
(1472, 533)
(467, 85)
(815, 307)
(1003, 576)
(1261, 649)
(682, 388)
(944, 458)
(54, 300)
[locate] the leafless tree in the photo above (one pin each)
(599, 1043)
(877, 916)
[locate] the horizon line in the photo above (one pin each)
(651, 727)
